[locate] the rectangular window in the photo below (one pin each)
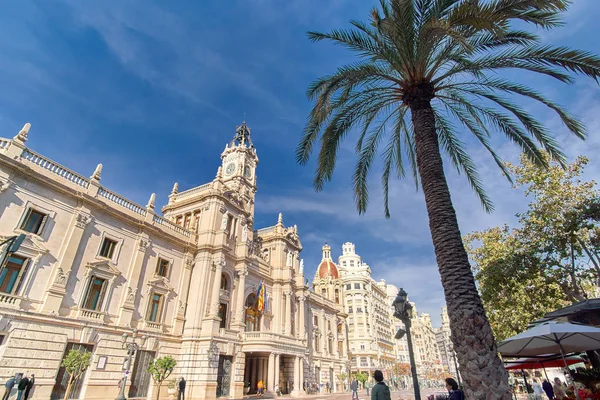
(12, 274)
(162, 267)
(108, 248)
(349, 309)
(95, 294)
(155, 308)
(357, 286)
(348, 286)
(33, 221)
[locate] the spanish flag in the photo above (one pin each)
(260, 297)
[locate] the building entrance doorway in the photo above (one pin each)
(224, 375)
(62, 378)
(255, 370)
(140, 378)
(286, 374)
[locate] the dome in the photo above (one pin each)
(327, 269)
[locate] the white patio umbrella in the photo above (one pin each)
(552, 337)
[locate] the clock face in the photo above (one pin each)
(247, 171)
(230, 168)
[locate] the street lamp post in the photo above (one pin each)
(132, 347)
(403, 311)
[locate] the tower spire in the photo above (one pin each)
(242, 135)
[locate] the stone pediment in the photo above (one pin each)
(103, 268)
(160, 285)
(31, 246)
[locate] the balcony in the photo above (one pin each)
(11, 301)
(91, 315)
(270, 338)
(154, 326)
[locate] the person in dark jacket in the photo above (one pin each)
(8, 387)
(354, 388)
(181, 394)
(21, 387)
(29, 387)
(455, 392)
(380, 390)
(548, 389)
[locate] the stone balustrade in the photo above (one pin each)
(8, 300)
(172, 226)
(4, 143)
(64, 174)
(266, 230)
(193, 191)
(153, 326)
(91, 315)
(122, 201)
(55, 168)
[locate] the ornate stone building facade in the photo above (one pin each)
(95, 265)
(370, 330)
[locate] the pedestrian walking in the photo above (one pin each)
(29, 387)
(21, 387)
(260, 386)
(537, 390)
(380, 391)
(367, 386)
(181, 393)
(559, 389)
(8, 387)
(453, 390)
(354, 388)
(547, 387)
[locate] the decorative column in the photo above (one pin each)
(288, 315)
(277, 368)
(133, 276)
(271, 373)
(58, 286)
(210, 325)
(302, 327)
(188, 265)
(297, 389)
(253, 380)
(239, 301)
(301, 387)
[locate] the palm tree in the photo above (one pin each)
(426, 68)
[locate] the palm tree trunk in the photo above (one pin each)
(482, 370)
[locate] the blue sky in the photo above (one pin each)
(154, 90)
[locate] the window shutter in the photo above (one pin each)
(41, 228)
(22, 271)
(102, 293)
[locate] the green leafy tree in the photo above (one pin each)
(549, 261)
(75, 364)
(362, 377)
(160, 370)
(428, 67)
(514, 289)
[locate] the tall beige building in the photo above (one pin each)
(370, 331)
(95, 265)
(445, 344)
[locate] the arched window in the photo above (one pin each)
(224, 282)
(337, 296)
(339, 328)
(252, 315)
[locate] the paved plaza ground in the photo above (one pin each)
(406, 394)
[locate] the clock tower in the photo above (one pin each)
(239, 161)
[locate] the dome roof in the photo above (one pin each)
(327, 269)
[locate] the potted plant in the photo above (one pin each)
(246, 387)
